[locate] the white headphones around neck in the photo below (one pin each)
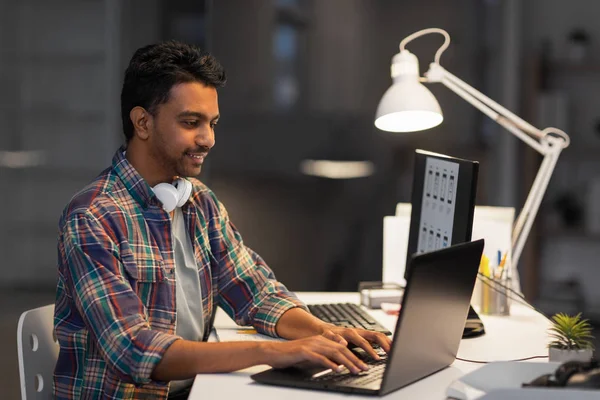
(173, 195)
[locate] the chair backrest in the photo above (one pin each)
(38, 352)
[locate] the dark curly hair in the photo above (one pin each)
(155, 69)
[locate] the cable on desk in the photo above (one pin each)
(480, 275)
(486, 362)
(521, 299)
(518, 300)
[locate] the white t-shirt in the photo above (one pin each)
(190, 323)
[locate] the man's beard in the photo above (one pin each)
(171, 166)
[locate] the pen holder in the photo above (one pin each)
(494, 298)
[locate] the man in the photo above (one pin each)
(138, 277)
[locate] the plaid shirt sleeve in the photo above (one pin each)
(110, 309)
(248, 289)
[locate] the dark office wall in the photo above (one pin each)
(307, 229)
(569, 221)
(61, 67)
(53, 111)
(310, 230)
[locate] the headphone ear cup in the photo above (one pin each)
(184, 191)
(168, 195)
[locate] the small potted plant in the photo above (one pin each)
(571, 339)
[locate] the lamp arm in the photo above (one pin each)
(524, 222)
(483, 103)
(515, 119)
(548, 142)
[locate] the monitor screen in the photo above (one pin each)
(443, 202)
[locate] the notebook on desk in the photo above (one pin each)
(427, 334)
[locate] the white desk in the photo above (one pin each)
(522, 334)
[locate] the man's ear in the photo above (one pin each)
(142, 122)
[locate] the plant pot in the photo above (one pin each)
(562, 355)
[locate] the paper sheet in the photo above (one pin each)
(492, 223)
(395, 244)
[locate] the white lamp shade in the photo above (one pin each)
(408, 106)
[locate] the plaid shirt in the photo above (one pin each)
(115, 301)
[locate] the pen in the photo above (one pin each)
(502, 264)
(339, 368)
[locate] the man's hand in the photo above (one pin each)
(297, 324)
(312, 341)
(359, 337)
(315, 350)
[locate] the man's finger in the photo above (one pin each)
(358, 338)
(346, 358)
(316, 358)
(380, 339)
(335, 337)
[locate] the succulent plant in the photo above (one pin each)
(570, 332)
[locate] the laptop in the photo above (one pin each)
(427, 334)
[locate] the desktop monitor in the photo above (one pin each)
(443, 202)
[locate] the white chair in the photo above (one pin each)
(38, 352)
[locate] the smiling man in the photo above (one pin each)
(146, 252)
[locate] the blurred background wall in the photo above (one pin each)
(305, 78)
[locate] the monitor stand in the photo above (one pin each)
(473, 326)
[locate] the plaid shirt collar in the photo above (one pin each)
(137, 186)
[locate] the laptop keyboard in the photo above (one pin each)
(348, 315)
(375, 373)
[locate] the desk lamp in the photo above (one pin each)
(409, 106)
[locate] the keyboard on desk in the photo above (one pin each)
(347, 315)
